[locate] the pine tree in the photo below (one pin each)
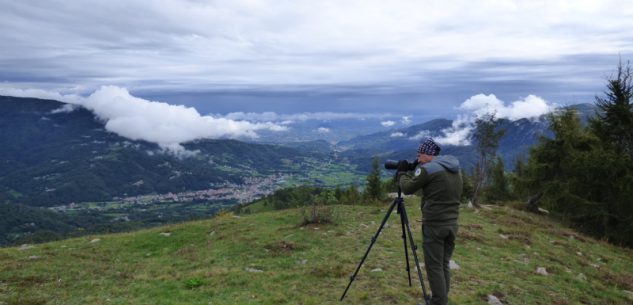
(467, 186)
(498, 189)
(373, 189)
(613, 122)
(351, 195)
(487, 136)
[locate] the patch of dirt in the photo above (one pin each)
(622, 281)
(27, 281)
(330, 272)
(475, 226)
(520, 236)
(282, 247)
(467, 235)
(189, 253)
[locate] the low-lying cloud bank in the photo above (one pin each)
(161, 123)
(530, 107)
(302, 117)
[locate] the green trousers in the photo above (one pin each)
(438, 242)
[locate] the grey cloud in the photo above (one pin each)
(418, 61)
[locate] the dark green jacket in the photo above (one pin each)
(441, 184)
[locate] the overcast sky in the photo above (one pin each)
(421, 57)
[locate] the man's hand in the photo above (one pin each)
(403, 166)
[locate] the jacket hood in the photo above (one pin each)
(450, 163)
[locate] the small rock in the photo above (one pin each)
(595, 266)
(541, 271)
(581, 277)
(579, 253)
(504, 236)
(96, 240)
(34, 257)
(253, 270)
(212, 233)
(493, 300)
(167, 234)
(376, 270)
(26, 247)
(453, 265)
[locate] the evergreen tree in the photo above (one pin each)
(467, 184)
(351, 195)
(613, 122)
(498, 189)
(338, 193)
(575, 175)
(373, 189)
(487, 136)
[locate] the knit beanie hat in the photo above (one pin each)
(429, 147)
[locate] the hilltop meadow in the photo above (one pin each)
(271, 258)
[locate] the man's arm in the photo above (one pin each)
(409, 182)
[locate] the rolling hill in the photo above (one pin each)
(268, 258)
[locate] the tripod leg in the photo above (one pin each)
(373, 240)
(404, 239)
(427, 297)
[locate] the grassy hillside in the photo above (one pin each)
(267, 258)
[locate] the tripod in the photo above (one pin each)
(406, 231)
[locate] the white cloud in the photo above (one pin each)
(397, 134)
(301, 117)
(387, 123)
(66, 108)
(41, 94)
(161, 123)
(406, 120)
(421, 135)
(530, 107)
(323, 130)
(459, 132)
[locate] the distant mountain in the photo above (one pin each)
(399, 144)
(51, 157)
(395, 139)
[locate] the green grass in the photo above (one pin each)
(267, 258)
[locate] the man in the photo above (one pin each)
(440, 180)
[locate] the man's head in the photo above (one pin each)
(427, 150)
